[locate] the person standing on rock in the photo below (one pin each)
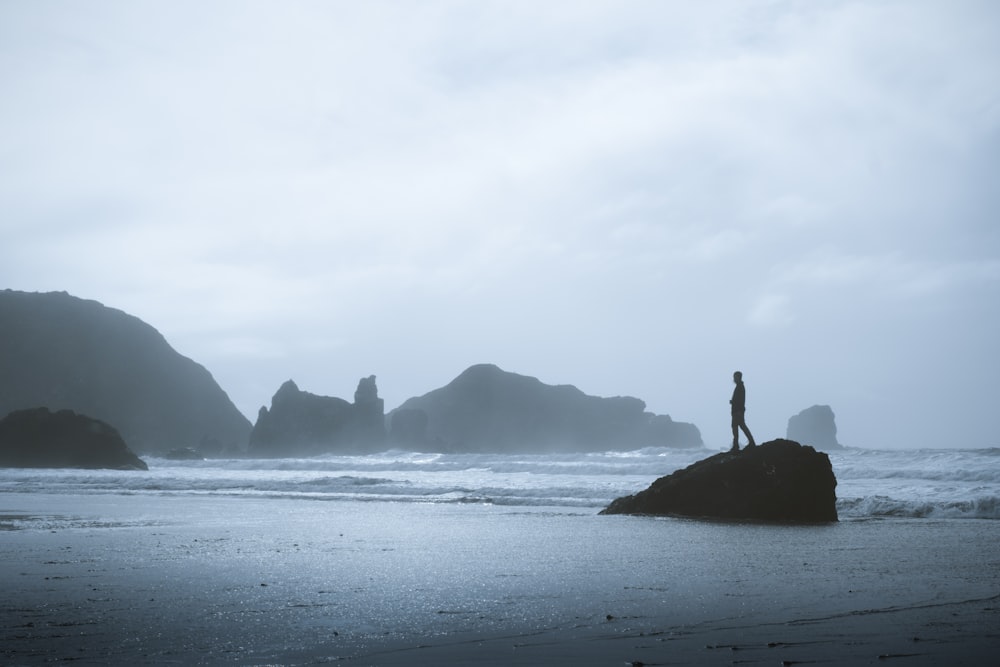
(738, 405)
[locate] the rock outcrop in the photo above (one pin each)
(303, 424)
(814, 426)
(486, 409)
(779, 481)
(66, 353)
(40, 438)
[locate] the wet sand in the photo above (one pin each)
(216, 580)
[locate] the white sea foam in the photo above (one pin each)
(957, 483)
(871, 483)
(982, 507)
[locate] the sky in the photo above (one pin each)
(635, 198)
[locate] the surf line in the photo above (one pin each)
(893, 610)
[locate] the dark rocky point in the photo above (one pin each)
(779, 480)
(40, 438)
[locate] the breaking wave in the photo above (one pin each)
(947, 484)
(983, 507)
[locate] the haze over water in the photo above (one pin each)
(635, 198)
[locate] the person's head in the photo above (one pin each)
(737, 377)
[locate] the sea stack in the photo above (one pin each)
(303, 424)
(779, 481)
(815, 426)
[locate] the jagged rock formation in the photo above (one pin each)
(304, 424)
(62, 352)
(486, 409)
(780, 480)
(814, 426)
(40, 438)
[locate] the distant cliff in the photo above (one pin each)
(61, 352)
(304, 424)
(814, 426)
(486, 409)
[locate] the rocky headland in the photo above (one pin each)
(779, 481)
(40, 438)
(486, 409)
(66, 353)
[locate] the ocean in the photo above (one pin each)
(944, 483)
(409, 558)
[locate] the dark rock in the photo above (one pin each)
(303, 424)
(779, 480)
(486, 409)
(62, 352)
(40, 438)
(814, 426)
(368, 412)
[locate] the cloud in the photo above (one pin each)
(771, 311)
(891, 275)
(584, 191)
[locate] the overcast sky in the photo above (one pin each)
(636, 198)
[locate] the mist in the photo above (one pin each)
(636, 199)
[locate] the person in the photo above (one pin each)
(738, 407)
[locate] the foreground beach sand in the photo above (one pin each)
(246, 581)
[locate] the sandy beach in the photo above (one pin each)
(214, 580)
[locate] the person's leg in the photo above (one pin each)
(743, 425)
(736, 433)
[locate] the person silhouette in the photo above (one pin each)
(738, 407)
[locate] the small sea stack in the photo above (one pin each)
(780, 481)
(815, 426)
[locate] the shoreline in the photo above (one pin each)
(113, 579)
(850, 637)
